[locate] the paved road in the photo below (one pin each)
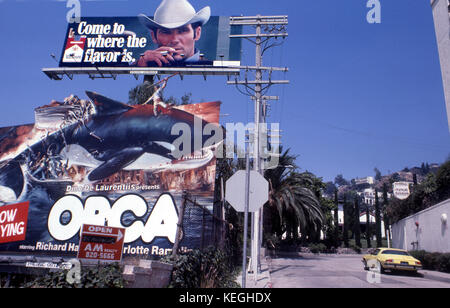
(344, 271)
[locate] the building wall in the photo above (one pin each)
(442, 27)
(431, 234)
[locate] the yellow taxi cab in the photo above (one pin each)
(390, 258)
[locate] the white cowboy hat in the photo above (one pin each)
(172, 14)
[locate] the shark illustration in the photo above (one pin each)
(116, 137)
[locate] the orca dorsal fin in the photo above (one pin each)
(107, 106)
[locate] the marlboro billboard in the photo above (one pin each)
(131, 42)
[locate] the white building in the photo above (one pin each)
(427, 230)
(441, 16)
(369, 196)
(367, 180)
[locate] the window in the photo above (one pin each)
(375, 252)
(395, 252)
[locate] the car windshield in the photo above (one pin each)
(395, 252)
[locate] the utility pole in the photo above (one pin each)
(267, 28)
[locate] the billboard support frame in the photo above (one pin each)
(112, 72)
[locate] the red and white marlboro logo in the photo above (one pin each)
(13, 222)
(74, 50)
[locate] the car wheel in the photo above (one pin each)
(366, 268)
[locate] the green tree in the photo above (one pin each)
(340, 181)
(141, 93)
(443, 182)
(377, 174)
(368, 231)
(290, 195)
(336, 219)
(346, 222)
(395, 177)
(329, 188)
(186, 99)
(318, 187)
(357, 226)
(328, 227)
(377, 220)
(384, 208)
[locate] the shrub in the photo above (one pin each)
(419, 255)
(434, 261)
(443, 262)
(431, 260)
(356, 248)
(209, 268)
(317, 248)
(105, 276)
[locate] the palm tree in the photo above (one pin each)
(292, 203)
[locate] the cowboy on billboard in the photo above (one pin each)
(175, 29)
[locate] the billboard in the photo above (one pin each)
(13, 222)
(101, 162)
(129, 42)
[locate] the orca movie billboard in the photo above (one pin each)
(102, 162)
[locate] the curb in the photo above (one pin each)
(438, 276)
(264, 279)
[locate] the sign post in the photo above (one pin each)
(247, 200)
(101, 243)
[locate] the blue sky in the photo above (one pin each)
(361, 95)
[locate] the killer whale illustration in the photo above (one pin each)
(116, 137)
